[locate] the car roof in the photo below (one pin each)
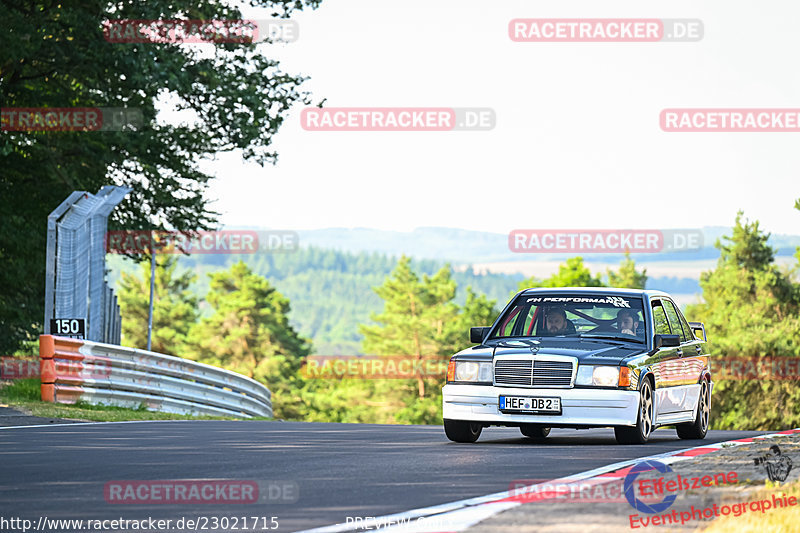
(595, 290)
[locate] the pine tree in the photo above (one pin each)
(420, 320)
(249, 333)
(751, 309)
(414, 316)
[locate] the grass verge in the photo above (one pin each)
(24, 395)
(754, 521)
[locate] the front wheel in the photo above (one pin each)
(644, 422)
(698, 428)
(462, 431)
(535, 432)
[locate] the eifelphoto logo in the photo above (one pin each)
(730, 120)
(665, 487)
(547, 30)
(175, 31)
(51, 119)
(201, 242)
(188, 491)
(604, 241)
(636, 502)
(398, 119)
(374, 367)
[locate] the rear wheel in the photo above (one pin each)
(644, 422)
(462, 431)
(535, 432)
(698, 428)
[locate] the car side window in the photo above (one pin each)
(660, 324)
(674, 321)
(689, 333)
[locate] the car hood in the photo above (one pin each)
(587, 352)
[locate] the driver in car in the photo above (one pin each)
(628, 321)
(556, 322)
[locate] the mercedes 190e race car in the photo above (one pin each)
(582, 358)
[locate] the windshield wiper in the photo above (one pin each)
(608, 337)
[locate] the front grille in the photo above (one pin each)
(533, 373)
(513, 372)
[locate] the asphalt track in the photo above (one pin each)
(342, 470)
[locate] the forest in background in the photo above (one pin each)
(331, 291)
(751, 307)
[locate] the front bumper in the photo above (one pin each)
(579, 407)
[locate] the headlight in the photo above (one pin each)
(473, 371)
(599, 376)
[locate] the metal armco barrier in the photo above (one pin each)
(75, 370)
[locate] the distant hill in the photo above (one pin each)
(465, 246)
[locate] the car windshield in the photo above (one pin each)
(586, 316)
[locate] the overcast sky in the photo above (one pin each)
(577, 142)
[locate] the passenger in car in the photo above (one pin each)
(628, 321)
(557, 323)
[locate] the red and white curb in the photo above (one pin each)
(462, 514)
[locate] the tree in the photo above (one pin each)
(573, 273)
(414, 316)
(56, 55)
(420, 319)
(751, 309)
(174, 306)
(249, 333)
(627, 277)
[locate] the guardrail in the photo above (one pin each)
(76, 370)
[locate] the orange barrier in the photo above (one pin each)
(51, 347)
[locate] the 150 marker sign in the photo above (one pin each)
(68, 327)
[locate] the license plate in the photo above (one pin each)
(530, 404)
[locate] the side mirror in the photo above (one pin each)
(477, 335)
(699, 330)
(666, 341)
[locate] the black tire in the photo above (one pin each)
(534, 431)
(644, 422)
(462, 431)
(698, 428)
